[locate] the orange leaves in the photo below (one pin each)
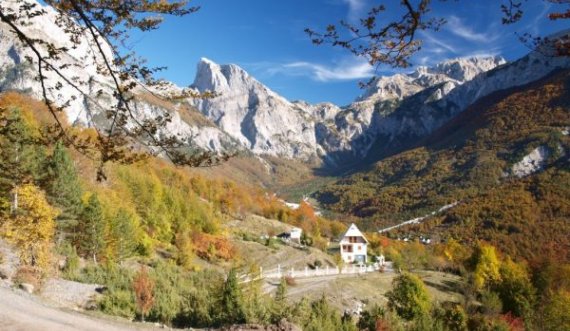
(32, 110)
(143, 286)
(209, 247)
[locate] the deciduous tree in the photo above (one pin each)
(143, 286)
(409, 297)
(32, 227)
(486, 266)
(515, 289)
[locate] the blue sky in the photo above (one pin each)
(266, 38)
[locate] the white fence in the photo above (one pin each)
(280, 272)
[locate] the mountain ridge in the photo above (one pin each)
(248, 116)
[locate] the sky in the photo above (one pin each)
(267, 39)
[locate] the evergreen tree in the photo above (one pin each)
(91, 230)
(21, 158)
(281, 292)
(64, 188)
(124, 234)
(231, 305)
(324, 317)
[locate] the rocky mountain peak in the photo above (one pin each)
(257, 117)
(457, 70)
(211, 76)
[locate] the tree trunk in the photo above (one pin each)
(15, 200)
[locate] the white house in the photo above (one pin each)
(353, 246)
(296, 234)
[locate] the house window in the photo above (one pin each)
(359, 248)
(352, 240)
(347, 248)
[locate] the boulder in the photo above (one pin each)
(27, 287)
(4, 272)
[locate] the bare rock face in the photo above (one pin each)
(260, 119)
(69, 294)
(531, 163)
(267, 123)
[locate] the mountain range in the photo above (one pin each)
(246, 115)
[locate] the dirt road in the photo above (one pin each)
(21, 312)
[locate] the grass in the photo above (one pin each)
(345, 291)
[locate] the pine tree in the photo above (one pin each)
(91, 230)
(21, 158)
(231, 305)
(280, 310)
(124, 234)
(281, 292)
(64, 187)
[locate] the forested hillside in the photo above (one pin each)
(474, 160)
(155, 235)
(140, 208)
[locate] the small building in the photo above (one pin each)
(296, 234)
(293, 235)
(353, 246)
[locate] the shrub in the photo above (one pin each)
(28, 275)
(290, 281)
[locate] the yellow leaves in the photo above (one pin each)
(33, 226)
(33, 112)
(487, 268)
(455, 252)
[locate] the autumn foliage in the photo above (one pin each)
(143, 287)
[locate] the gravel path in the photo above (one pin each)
(21, 312)
(67, 294)
(9, 263)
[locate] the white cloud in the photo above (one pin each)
(456, 26)
(355, 8)
(346, 70)
(433, 41)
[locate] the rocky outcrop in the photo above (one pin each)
(531, 163)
